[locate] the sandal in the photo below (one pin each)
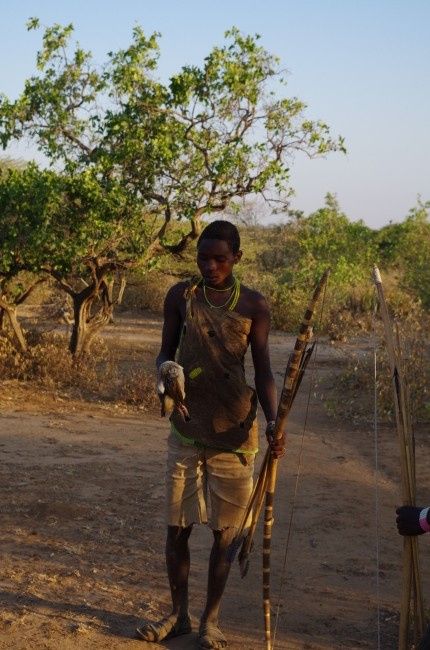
(167, 628)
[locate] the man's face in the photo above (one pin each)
(215, 260)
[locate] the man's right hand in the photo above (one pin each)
(277, 447)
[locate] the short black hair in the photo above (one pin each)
(224, 230)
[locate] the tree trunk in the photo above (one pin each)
(10, 311)
(92, 306)
(86, 325)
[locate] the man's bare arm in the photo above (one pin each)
(264, 380)
(172, 324)
(259, 341)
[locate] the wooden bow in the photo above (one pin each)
(265, 485)
(411, 566)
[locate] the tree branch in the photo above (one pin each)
(28, 291)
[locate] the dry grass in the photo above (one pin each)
(48, 364)
(352, 391)
(138, 389)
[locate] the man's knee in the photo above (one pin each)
(223, 538)
(178, 536)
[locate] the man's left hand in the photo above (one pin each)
(408, 520)
(277, 447)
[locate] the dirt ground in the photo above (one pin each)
(82, 531)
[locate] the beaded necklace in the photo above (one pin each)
(222, 290)
(232, 299)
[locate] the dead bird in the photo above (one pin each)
(171, 389)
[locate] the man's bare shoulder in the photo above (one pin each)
(176, 291)
(254, 303)
(174, 301)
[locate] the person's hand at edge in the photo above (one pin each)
(412, 520)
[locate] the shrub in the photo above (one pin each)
(356, 383)
(139, 390)
(148, 291)
(48, 363)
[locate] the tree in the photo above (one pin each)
(417, 252)
(303, 248)
(173, 152)
(24, 197)
(72, 228)
(405, 246)
(11, 294)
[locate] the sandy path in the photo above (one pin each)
(83, 533)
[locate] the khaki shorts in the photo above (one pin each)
(193, 473)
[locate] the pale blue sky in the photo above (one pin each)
(363, 66)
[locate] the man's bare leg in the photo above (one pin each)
(219, 569)
(178, 569)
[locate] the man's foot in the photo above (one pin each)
(167, 628)
(211, 637)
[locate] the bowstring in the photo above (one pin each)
(376, 475)
(296, 485)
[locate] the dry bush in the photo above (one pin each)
(48, 363)
(349, 314)
(356, 385)
(57, 305)
(341, 316)
(353, 313)
(148, 291)
(139, 389)
(343, 324)
(286, 305)
(10, 359)
(413, 333)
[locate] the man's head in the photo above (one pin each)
(223, 230)
(218, 250)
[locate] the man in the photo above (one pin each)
(208, 325)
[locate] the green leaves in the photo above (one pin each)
(57, 107)
(56, 221)
(33, 23)
(327, 238)
(406, 247)
(129, 150)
